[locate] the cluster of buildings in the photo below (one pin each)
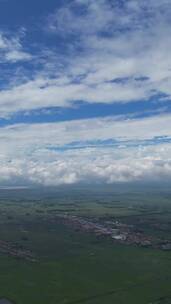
(13, 250)
(115, 230)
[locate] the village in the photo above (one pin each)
(111, 229)
(13, 250)
(115, 230)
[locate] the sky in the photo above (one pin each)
(85, 91)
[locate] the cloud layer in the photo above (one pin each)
(90, 53)
(113, 53)
(52, 154)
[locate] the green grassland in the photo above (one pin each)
(75, 267)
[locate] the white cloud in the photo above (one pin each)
(16, 55)
(91, 166)
(82, 17)
(132, 62)
(29, 152)
(11, 49)
(41, 93)
(38, 136)
(112, 53)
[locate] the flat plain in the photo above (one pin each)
(70, 265)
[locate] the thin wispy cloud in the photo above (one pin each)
(11, 49)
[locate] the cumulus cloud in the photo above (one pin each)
(36, 153)
(91, 166)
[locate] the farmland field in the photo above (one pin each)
(73, 266)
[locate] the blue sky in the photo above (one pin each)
(85, 91)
